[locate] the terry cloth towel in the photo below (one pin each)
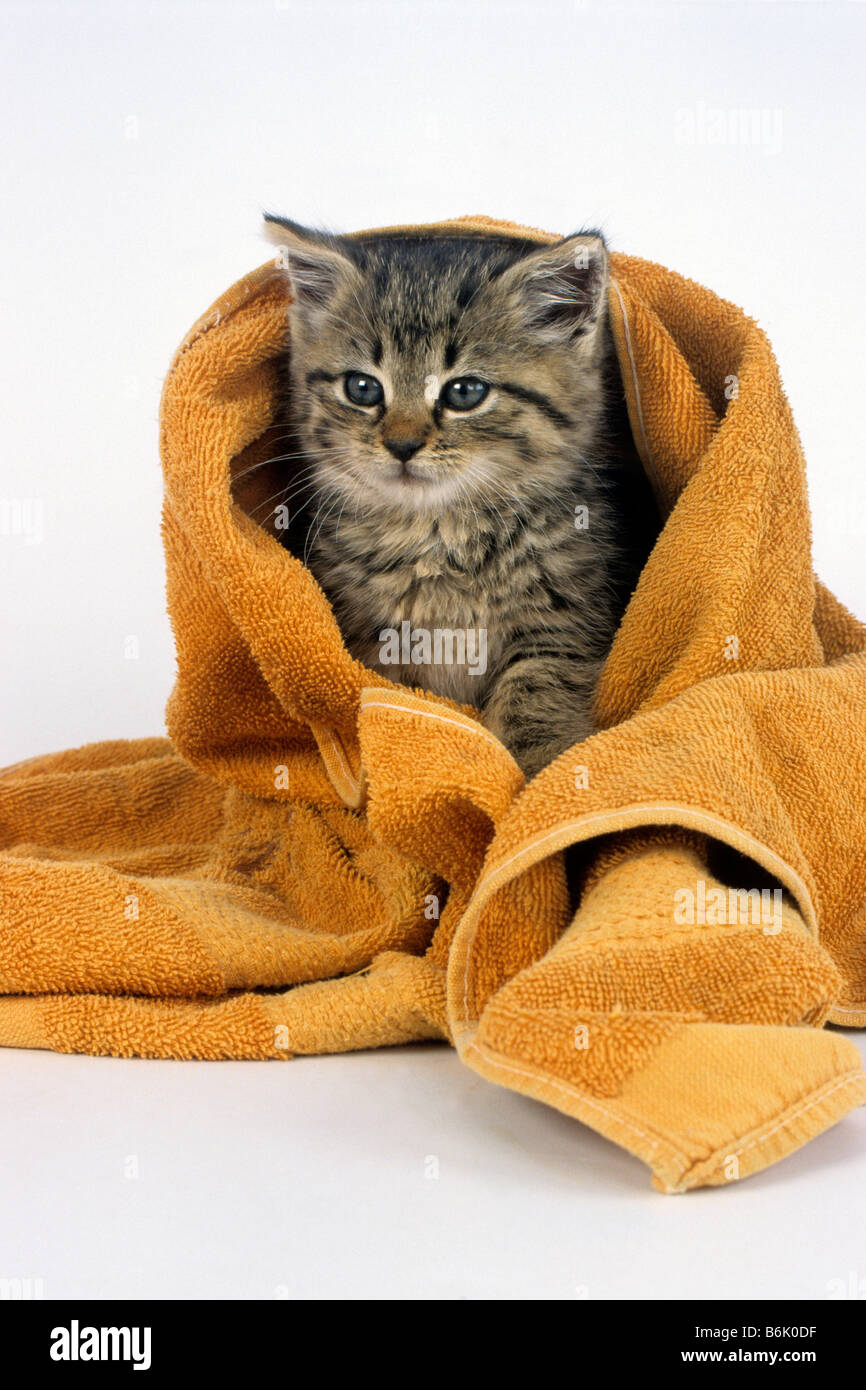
(322, 860)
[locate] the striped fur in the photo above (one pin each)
(481, 527)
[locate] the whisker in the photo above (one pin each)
(311, 538)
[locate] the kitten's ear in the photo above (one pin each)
(313, 262)
(562, 289)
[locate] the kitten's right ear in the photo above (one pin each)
(313, 262)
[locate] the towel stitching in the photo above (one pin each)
(647, 806)
(443, 719)
(338, 748)
(790, 1116)
(573, 1090)
(657, 1144)
(795, 1114)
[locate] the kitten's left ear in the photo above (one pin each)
(562, 289)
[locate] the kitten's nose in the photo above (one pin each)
(403, 448)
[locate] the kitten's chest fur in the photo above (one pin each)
(510, 580)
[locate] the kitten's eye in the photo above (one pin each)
(362, 389)
(464, 392)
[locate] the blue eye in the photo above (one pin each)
(464, 392)
(362, 389)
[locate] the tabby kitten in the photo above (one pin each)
(458, 410)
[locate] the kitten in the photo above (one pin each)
(459, 413)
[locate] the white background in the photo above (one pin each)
(141, 142)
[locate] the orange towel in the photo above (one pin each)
(322, 860)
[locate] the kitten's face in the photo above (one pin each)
(441, 371)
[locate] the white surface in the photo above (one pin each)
(307, 1179)
(141, 142)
